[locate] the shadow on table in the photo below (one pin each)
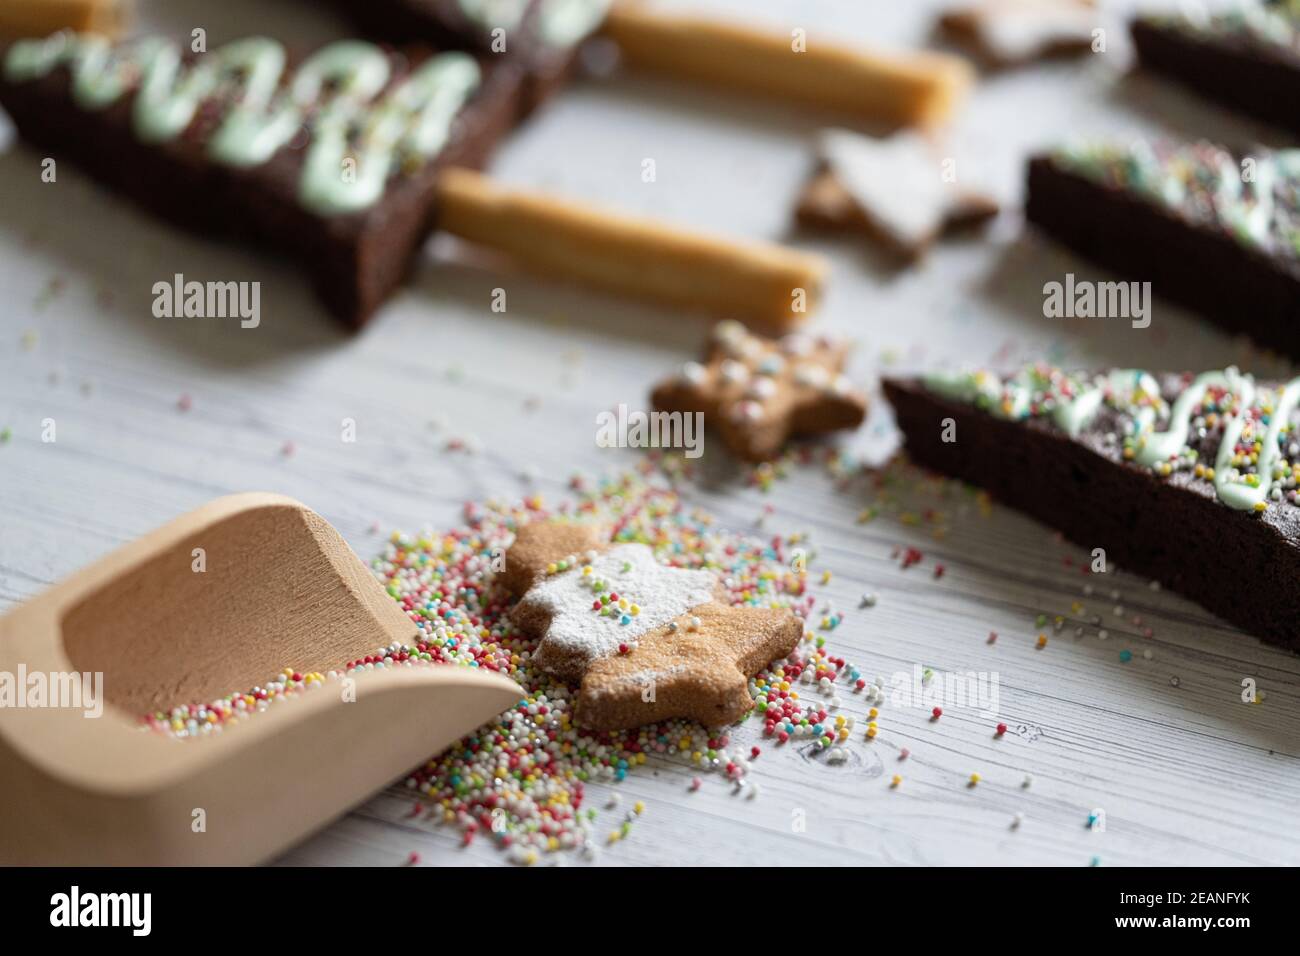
(458, 276)
(1188, 115)
(1013, 567)
(81, 232)
(1175, 338)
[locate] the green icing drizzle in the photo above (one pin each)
(1072, 403)
(99, 77)
(256, 126)
(1255, 199)
(414, 121)
(411, 123)
(560, 23)
(567, 22)
(493, 14)
(1252, 491)
(1014, 398)
(34, 58)
(1275, 22)
(1151, 447)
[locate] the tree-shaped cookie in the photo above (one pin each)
(759, 392)
(645, 641)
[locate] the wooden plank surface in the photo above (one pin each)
(1184, 774)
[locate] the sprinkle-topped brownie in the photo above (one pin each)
(332, 160)
(1212, 229)
(1246, 57)
(1254, 198)
(1190, 479)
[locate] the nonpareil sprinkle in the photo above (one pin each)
(520, 781)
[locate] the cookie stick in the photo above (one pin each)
(756, 282)
(919, 88)
(35, 18)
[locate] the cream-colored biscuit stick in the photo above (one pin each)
(36, 18)
(920, 88)
(764, 285)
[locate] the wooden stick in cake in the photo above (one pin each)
(34, 18)
(768, 286)
(919, 88)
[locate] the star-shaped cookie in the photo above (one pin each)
(896, 191)
(759, 392)
(647, 642)
(1010, 32)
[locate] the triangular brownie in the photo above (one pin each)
(1214, 230)
(1245, 56)
(332, 160)
(1188, 479)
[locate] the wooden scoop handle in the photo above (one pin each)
(903, 88)
(766, 285)
(87, 788)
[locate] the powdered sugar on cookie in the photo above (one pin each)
(614, 599)
(645, 641)
(902, 192)
(896, 181)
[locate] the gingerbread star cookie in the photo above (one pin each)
(896, 191)
(646, 641)
(759, 392)
(1010, 32)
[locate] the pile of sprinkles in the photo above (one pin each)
(519, 780)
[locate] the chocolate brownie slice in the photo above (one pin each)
(333, 163)
(1191, 480)
(1210, 229)
(1246, 58)
(540, 38)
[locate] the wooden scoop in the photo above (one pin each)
(279, 587)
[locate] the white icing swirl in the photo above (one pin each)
(1024, 394)
(560, 23)
(414, 119)
(412, 122)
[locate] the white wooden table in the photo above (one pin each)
(1184, 774)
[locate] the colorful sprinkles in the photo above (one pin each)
(1254, 199)
(1221, 428)
(520, 780)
